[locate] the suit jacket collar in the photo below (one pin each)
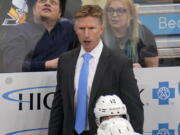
(74, 57)
(101, 67)
(103, 62)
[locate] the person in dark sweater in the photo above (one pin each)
(37, 44)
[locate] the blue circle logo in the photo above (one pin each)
(163, 93)
(163, 131)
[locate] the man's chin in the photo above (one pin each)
(88, 47)
(47, 18)
(44, 18)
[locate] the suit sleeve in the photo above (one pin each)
(57, 116)
(130, 96)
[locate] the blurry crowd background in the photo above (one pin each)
(13, 12)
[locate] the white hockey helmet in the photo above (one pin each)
(115, 126)
(108, 106)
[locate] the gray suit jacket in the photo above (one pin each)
(114, 75)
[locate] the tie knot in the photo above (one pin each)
(87, 56)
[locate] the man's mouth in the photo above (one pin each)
(87, 41)
(46, 9)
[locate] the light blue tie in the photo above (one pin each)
(81, 106)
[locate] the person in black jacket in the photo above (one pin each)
(37, 44)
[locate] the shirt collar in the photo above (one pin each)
(96, 52)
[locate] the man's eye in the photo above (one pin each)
(53, 2)
(42, 1)
(81, 28)
(91, 28)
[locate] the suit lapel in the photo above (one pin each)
(103, 62)
(72, 67)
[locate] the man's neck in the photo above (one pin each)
(49, 25)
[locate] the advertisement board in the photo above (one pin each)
(26, 100)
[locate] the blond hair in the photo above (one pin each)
(133, 35)
(90, 10)
(101, 3)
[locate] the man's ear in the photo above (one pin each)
(60, 13)
(102, 28)
(75, 26)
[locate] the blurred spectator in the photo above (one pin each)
(144, 42)
(37, 44)
(73, 5)
(124, 33)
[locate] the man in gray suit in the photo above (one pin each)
(109, 73)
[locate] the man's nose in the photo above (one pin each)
(86, 33)
(48, 3)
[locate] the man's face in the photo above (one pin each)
(88, 30)
(48, 9)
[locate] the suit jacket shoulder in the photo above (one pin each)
(116, 57)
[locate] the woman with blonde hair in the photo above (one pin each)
(123, 32)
